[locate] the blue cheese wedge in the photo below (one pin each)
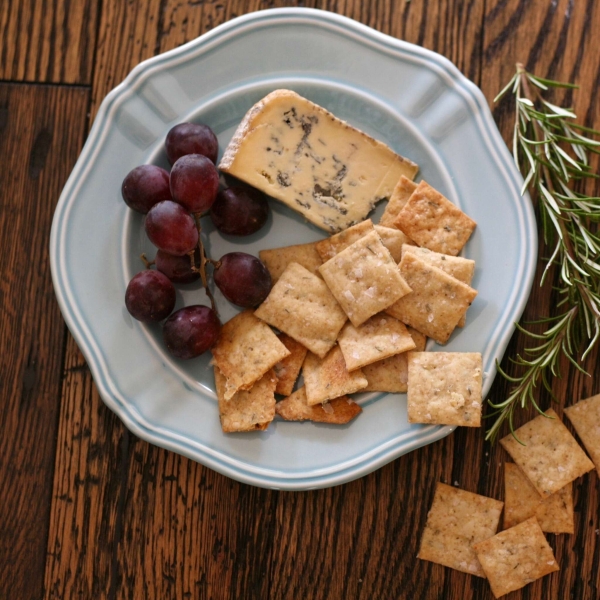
(315, 163)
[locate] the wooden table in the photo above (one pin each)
(90, 511)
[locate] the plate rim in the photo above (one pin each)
(141, 73)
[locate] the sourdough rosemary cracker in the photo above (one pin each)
(457, 520)
(301, 305)
(277, 259)
(246, 349)
(333, 245)
(547, 453)
(337, 411)
(402, 192)
(585, 418)
(288, 369)
(364, 278)
(393, 240)
(515, 557)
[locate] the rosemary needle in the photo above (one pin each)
(552, 152)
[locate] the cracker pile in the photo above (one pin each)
(352, 313)
(461, 526)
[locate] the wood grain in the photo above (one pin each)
(129, 520)
(41, 132)
(47, 40)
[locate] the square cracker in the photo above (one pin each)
(402, 192)
(247, 410)
(444, 388)
(432, 221)
(585, 418)
(288, 369)
(515, 557)
(548, 454)
(333, 245)
(301, 305)
(328, 378)
(521, 502)
(337, 411)
(461, 268)
(457, 520)
(277, 259)
(393, 240)
(364, 278)
(391, 374)
(437, 302)
(246, 349)
(379, 337)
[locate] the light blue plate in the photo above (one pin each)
(410, 98)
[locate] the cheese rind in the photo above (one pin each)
(315, 163)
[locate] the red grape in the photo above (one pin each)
(194, 182)
(191, 138)
(239, 211)
(177, 268)
(242, 279)
(150, 296)
(144, 186)
(190, 331)
(171, 228)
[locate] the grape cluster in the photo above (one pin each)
(174, 203)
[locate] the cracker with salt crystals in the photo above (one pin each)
(462, 269)
(437, 302)
(364, 278)
(379, 337)
(521, 502)
(585, 418)
(391, 374)
(515, 557)
(547, 453)
(288, 369)
(337, 411)
(301, 305)
(444, 388)
(277, 259)
(246, 349)
(393, 240)
(432, 221)
(333, 245)
(457, 520)
(329, 378)
(402, 192)
(247, 410)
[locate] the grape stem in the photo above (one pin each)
(203, 261)
(147, 263)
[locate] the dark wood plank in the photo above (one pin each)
(48, 41)
(41, 133)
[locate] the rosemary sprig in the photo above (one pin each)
(552, 152)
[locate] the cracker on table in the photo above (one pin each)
(437, 301)
(521, 502)
(458, 267)
(277, 259)
(393, 240)
(337, 411)
(549, 455)
(379, 337)
(391, 374)
(247, 410)
(333, 245)
(402, 192)
(457, 520)
(364, 278)
(301, 305)
(288, 369)
(585, 418)
(515, 557)
(444, 388)
(246, 349)
(431, 220)
(327, 378)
